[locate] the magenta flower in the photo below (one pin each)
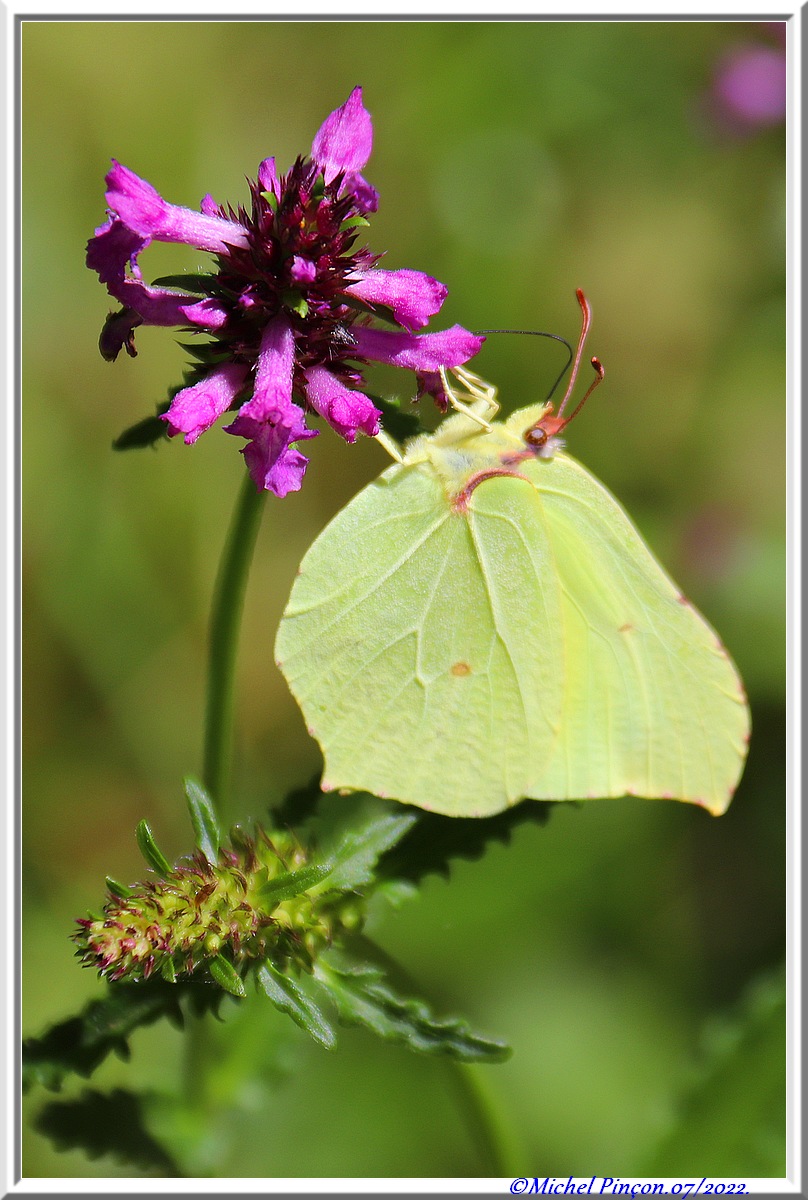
(289, 309)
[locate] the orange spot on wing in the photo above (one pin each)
(460, 668)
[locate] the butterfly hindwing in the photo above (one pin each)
(653, 704)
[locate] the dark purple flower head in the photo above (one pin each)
(288, 310)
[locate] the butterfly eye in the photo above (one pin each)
(536, 437)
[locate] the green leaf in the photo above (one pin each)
(119, 890)
(292, 883)
(355, 222)
(186, 283)
(297, 303)
(147, 432)
(149, 849)
(290, 998)
(731, 1119)
(434, 840)
(206, 352)
(400, 425)
(382, 312)
(203, 819)
(227, 977)
(80, 1044)
(364, 997)
(355, 857)
(100, 1124)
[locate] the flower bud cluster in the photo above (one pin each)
(178, 924)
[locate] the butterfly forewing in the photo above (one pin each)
(416, 643)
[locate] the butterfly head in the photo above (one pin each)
(542, 436)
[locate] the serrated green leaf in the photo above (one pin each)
(357, 853)
(119, 890)
(290, 998)
(227, 977)
(364, 997)
(206, 353)
(203, 819)
(143, 433)
(292, 883)
(434, 840)
(80, 1044)
(150, 851)
(99, 1124)
(731, 1116)
(187, 283)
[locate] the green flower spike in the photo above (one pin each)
(259, 902)
(263, 906)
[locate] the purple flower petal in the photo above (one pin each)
(303, 270)
(418, 352)
(270, 471)
(143, 210)
(195, 408)
(345, 139)
(412, 296)
(270, 420)
(272, 395)
(345, 410)
(366, 198)
(273, 464)
(268, 177)
(431, 384)
(116, 247)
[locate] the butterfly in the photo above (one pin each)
(484, 623)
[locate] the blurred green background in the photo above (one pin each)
(516, 161)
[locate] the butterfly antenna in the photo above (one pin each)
(600, 374)
(587, 319)
(538, 333)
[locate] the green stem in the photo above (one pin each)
(485, 1120)
(225, 621)
(228, 602)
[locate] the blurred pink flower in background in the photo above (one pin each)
(749, 86)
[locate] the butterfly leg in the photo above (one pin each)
(482, 397)
(478, 389)
(390, 445)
